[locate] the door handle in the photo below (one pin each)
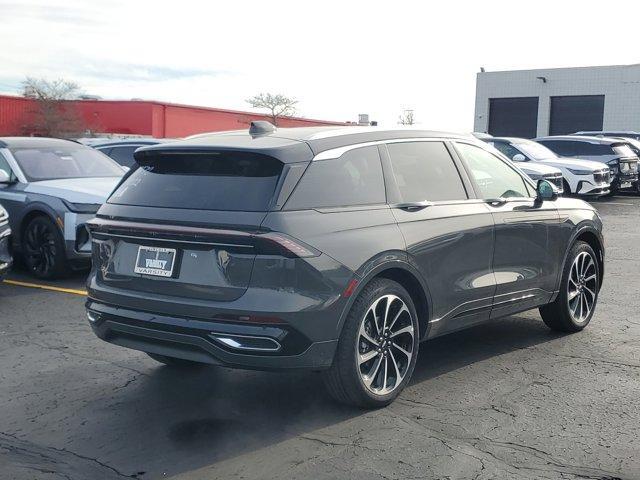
(413, 206)
(495, 202)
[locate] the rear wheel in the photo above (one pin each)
(43, 249)
(574, 307)
(377, 349)
(175, 362)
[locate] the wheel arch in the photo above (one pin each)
(407, 276)
(593, 237)
(35, 210)
(594, 241)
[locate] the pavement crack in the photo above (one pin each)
(59, 461)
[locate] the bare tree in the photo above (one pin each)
(278, 105)
(407, 118)
(52, 115)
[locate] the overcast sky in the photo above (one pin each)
(338, 58)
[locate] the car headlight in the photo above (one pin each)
(82, 207)
(580, 172)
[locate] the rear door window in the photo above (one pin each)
(353, 179)
(425, 171)
(224, 180)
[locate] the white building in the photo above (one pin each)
(556, 101)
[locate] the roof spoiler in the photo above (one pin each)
(261, 127)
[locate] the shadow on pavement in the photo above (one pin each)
(175, 421)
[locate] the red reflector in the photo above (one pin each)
(350, 288)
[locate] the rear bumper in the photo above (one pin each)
(199, 340)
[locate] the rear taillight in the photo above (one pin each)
(280, 244)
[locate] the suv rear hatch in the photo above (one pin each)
(186, 223)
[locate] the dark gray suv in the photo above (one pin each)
(332, 249)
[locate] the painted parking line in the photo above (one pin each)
(46, 287)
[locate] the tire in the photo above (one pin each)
(43, 249)
(569, 313)
(175, 362)
(347, 380)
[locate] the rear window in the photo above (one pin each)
(225, 180)
(353, 179)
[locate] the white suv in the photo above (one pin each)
(582, 177)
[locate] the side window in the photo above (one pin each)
(4, 165)
(507, 149)
(425, 171)
(353, 179)
(494, 177)
(124, 155)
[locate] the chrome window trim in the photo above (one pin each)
(335, 153)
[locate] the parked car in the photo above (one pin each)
(610, 133)
(622, 162)
(5, 238)
(333, 249)
(50, 188)
(122, 150)
(581, 177)
(536, 171)
(482, 135)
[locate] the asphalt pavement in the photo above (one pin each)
(506, 400)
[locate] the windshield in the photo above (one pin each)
(536, 151)
(624, 150)
(51, 163)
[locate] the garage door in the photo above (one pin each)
(573, 113)
(513, 117)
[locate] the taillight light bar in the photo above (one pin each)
(280, 244)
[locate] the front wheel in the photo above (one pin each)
(43, 249)
(377, 349)
(575, 304)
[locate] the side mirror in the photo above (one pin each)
(518, 157)
(4, 177)
(546, 191)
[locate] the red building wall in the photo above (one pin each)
(142, 117)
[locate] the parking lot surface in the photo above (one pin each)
(508, 399)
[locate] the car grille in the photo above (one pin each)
(555, 178)
(603, 176)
